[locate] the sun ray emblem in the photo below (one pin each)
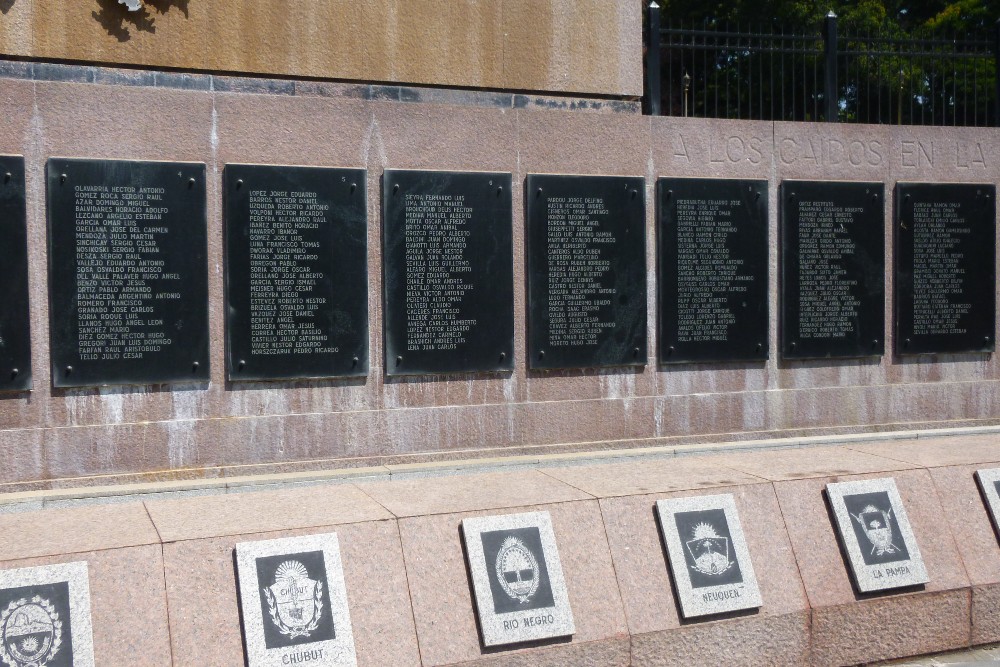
(709, 550)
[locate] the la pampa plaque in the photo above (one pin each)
(45, 617)
(876, 535)
(294, 602)
(708, 554)
(517, 578)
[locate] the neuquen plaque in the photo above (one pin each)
(45, 617)
(294, 602)
(945, 267)
(517, 578)
(128, 278)
(586, 271)
(448, 268)
(15, 331)
(876, 535)
(296, 272)
(832, 269)
(712, 238)
(708, 554)
(989, 484)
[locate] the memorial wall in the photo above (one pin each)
(248, 281)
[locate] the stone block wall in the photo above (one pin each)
(121, 434)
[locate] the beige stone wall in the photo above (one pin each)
(560, 46)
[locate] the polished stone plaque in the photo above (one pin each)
(517, 578)
(128, 274)
(945, 279)
(832, 269)
(871, 524)
(15, 330)
(294, 602)
(448, 272)
(712, 266)
(586, 271)
(296, 272)
(989, 485)
(45, 616)
(709, 559)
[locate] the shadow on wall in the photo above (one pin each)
(5, 5)
(118, 21)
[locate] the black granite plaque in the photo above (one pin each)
(296, 272)
(448, 269)
(128, 279)
(15, 332)
(586, 271)
(832, 269)
(945, 277)
(712, 241)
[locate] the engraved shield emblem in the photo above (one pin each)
(32, 632)
(877, 529)
(709, 550)
(517, 570)
(294, 600)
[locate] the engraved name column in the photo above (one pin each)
(833, 269)
(296, 272)
(127, 272)
(449, 293)
(586, 271)
(945, 267)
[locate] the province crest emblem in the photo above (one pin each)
(878, 529)
(709, 550)
(517, 570)
(32, 632)
(294, 600)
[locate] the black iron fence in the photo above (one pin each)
(713, 71)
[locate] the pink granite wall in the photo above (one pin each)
(220, 429)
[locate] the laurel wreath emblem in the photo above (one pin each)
(292, 633)
(56, 631)
(514, 544)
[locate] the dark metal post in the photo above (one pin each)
(653, 59)
(830, 73)
(996, 67)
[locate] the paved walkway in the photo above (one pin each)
(984, 655)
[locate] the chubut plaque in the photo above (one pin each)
(296, 272)
(45, 617)
(832, 269)
(448, 272)
(708, 554)
(945, 285)
(128, 275)
(586, 271)
(989, 485)
(871, 523)
(517, 578)
(712, 257)
(15, 331)
(294, 602)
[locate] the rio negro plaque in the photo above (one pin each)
(945, 278)
(128, 279)
(832, 269)
(448, 272)
(586, 271)
(296, 272)
(15, 331)
(712, 239)
(517, 579)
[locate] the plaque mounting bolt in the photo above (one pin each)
(538, 193)
(986, 339)
(194, 367)
(62, 178)
(635, 352)
(760, 347)
(395, 188)
(499, 190)
(634, 193)
(794, 345)
(242, 364)
(906, 343)
(13, 373)
(354, 186)
(399, 360)
(875, 343)
(354, 361)
(541, 354)
(191, 183)
(239, 183)
(670, 350)
(7, 177)
(875, 197)
(670, 193)
(69, 369)
(503, 355)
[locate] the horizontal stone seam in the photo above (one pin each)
(330, 527)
